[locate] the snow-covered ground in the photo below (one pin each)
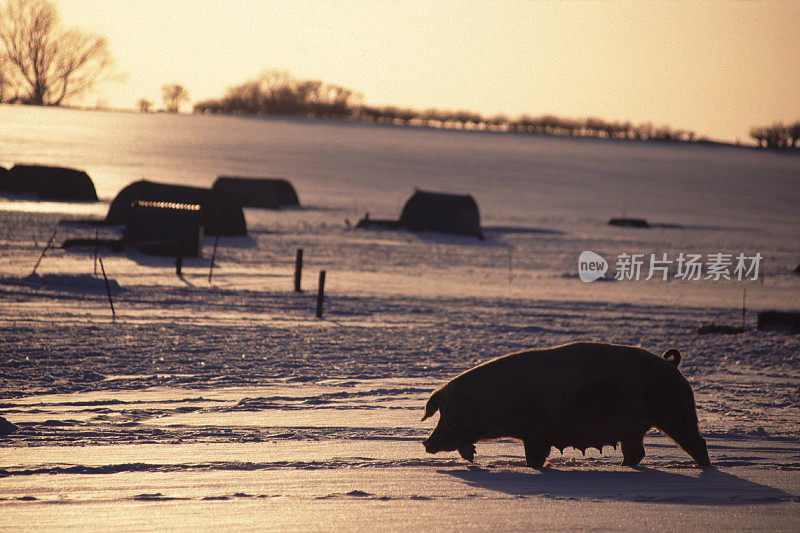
(206, 405)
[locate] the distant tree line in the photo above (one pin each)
(279, 93)
(42, 63)
(777, 136)
(545, 124)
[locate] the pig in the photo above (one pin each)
(583, 395)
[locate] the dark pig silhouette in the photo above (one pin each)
(584, 395)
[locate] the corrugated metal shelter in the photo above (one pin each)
(219, 213)
(162, 228)
(788, 321)
(49, 183)
(442, 212)
(626, 222)
(266, 193)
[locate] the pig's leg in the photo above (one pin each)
(633, 448)
(536, 452)
(467, 452)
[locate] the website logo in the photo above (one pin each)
(591, 266)
(686, 266)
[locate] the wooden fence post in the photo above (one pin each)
(179, 259)
(320, 293)
(744, 307)
(213, 255)
(46, 247)
(108, 290)
(298, 270)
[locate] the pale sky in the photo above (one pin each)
(717, 67)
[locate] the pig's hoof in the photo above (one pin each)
(467, 452)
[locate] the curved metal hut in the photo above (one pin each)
(266, 193)
(219, 213)
(442, 212)
(49, 183)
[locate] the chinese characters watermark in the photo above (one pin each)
(686, 266)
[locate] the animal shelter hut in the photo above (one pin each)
(266, 193)
(442, 212)
(160, 228)
(49, 183)
(220, 215)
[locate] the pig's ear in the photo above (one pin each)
(453, 414)
(432, 406)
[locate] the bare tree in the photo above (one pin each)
(759, 133)
(174, 95)
(793, 132)
(775, 136)
(4, 84)
(44, 64)
(144, 105)
(277, 92)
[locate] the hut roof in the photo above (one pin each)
(443, 212)
(219, 213)
(267, 193)
(49, 183)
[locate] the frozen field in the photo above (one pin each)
(229, 404)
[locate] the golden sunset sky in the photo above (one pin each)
(717, 67)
